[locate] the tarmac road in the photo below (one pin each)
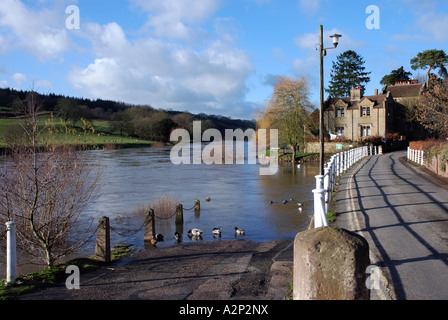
(402, 211)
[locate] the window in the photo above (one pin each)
(365, 131)
(340, 112)
(365, 112)
(340, 131)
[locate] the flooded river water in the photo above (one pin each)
(239, 196)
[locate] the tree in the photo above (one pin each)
(347, 72)
(68, 110)
(431, 59)
(44, 188)
(432, 110)
(288, 111)
(396, 76)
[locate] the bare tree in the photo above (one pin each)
(432, 110)
(45, 187)
(288, 110)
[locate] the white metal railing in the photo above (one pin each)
(325, 184)
(416, 156)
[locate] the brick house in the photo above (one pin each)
(358, 116)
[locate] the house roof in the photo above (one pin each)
(354, 104)
(406, 90)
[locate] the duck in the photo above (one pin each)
(216, 231)
(208, 199)
(195, 232)
(285, 201)
(159, 237)
(177, 236)
(271, 202)
(300, 209)
(195, 238)
(299, 204)
(153, 241)
(239, 231)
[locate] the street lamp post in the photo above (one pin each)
(323, 52)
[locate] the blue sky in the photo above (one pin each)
(211, 56)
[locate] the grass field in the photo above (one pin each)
(100, 137)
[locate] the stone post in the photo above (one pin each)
(149, 226)
(11, 252)
(330, 264)
(102, 249)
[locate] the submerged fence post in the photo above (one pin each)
(102, 249)
(11, 252)
(179, 214)
(149, 226)
(197, 207)
(180, 219)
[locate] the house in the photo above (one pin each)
(406, 95)
(358, 116)
(390, 111)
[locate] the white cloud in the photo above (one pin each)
(4, 84)
(31, 29)
(43, 85)
(434, 24)
(174, 19)
(310, 6)
(162, 73)
(19, 78)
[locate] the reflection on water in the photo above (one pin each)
(240, 197)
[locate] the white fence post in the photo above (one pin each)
(11, 253)
(327, 188)
(320, 219)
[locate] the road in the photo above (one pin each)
(402, 211)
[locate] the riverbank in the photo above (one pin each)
(220, 270)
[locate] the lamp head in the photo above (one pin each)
(335, 38)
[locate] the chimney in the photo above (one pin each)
(376, 92)
(356, 93)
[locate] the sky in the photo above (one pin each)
(218, 57)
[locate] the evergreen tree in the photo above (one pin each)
(347, 72)
(431, 59)
(396, 76)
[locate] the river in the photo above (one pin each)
(239, 196)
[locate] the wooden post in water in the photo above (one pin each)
(197, 207)
(180, 219)
(102, 249)
(149, 226)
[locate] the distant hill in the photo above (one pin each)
(142, 121)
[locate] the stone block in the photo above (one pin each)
(330, 264)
